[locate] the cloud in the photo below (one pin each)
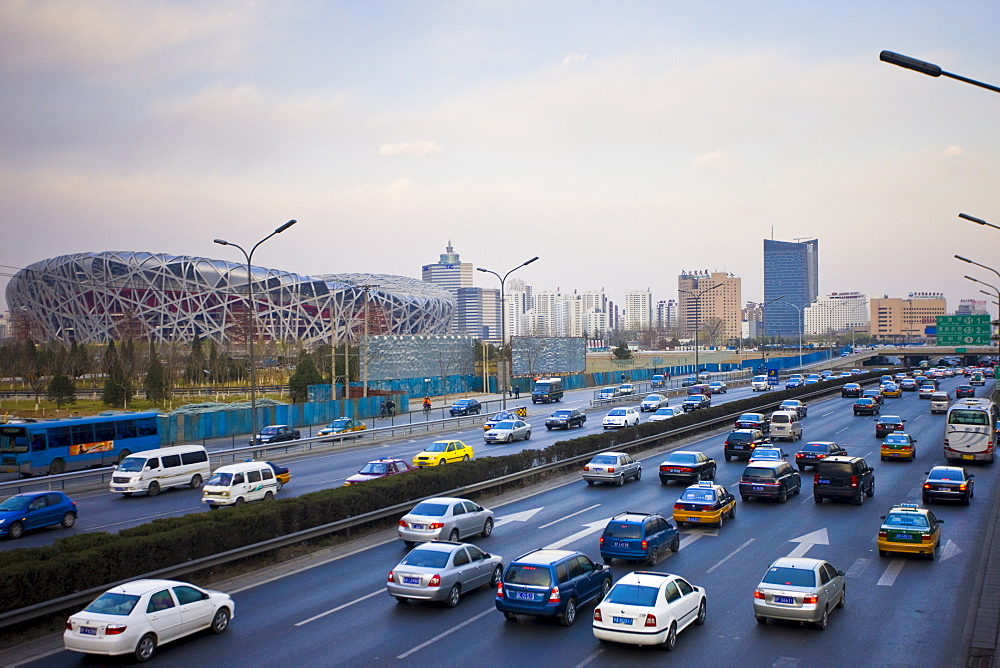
(421, 147)
(573, 57)
(716, 157)
(953, 150)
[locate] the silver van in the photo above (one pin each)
(786, 424)
(151, 471)
(237, 484)
(940, 401)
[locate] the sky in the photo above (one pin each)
(621, 142)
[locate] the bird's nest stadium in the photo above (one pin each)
(97, 297)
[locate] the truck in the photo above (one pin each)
(547, 390)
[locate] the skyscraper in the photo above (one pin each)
(791, 271)
(700, 306)
(449, 272)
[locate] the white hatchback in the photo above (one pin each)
(666, 413)
(135, 617)
(647, 608)
(621, 417)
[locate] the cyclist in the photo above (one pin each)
(427, 404)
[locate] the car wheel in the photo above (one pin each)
(153, 489)
(240, 501)
(821, 624)
(744, 498)
(510, 438)
(883, 553)
(497, 576)
(605, 588)
(221, 620)
(465, 458)
(548, 428)
(195, 481)
(269, 496)
(702, 613)
(722, 519)
(126, 494)
(965, 500)
(871, 490)
(453, 595)
(843, 598)
(57, 466)
(280, 485)
(146, 648)
(926, 499)
(783, 495)
(590, 482)
(15, 531)
(653, 556)
(729, 457)
(487, 528)
(817, 499)
(882, 458)
(671, 640)
(402, 600)
(760, 620)
(675, 545)
(453, 536)
(409, 543)
(527, 435)
(69, 519)
(569, 616)
(621, 480)
(510, 616)
(638, 474)
(607, 560)
(932, 555)
(801, 468)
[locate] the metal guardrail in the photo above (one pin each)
(46, 608)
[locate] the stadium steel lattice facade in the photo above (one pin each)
(96, 297)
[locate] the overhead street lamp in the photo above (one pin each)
(502, 363)
(930, 69)
(978, 221)
(697, 320)
(995, 293)
(252, 313)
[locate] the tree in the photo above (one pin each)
(78, 361)
(622, 352)
(305, 374)
(117, 385)
(195, 371)
(156, 384)
(61, 390)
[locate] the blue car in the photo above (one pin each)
(35, 510)
(638, 537)
(551, 583)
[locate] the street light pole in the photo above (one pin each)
(251, 311)
(978, 221)
(997, 291)
(930, 69)
(697, 320)
(801, 324)
(502, 363)
(763, 322)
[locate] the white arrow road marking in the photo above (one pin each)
(522, 516)
(891, 571)
(950, 550)
(858, 567)
(544, 526)
(592, 528)
(692, 536)
(818, 537)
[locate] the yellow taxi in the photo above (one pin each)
(704, 503)
(898, 445)
(442, 452)
(343, 425)
(908, 528)
(891, 390)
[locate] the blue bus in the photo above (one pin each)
(68, 444)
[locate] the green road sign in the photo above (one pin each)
(959, 351)
(963, 330)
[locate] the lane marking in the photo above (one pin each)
(891, 571)
(339, 608)
(729, 556)
(858, 567)
(597, 653)
(569, 516)
(446, 633)
(36, 657)
(842, 430)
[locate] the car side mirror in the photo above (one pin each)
(881, 517)
(841, 573)
(913, 440)
(972, 475)
(940, 521)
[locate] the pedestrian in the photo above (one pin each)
(382, 411)
(390, 406)
(517, 392)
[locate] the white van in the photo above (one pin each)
(940, 401)
(759, 384)
(785, 424)
(236, 484)
(150, 471)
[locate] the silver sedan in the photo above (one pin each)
(508, 431)
(443, 572)
(800, 590)
(444, 518)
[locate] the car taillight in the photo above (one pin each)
(815, 478)
(554, 595)
(883, 534)
(820, 456)
(678, 506)
(854, 481)
(435, 581)
(926, 538)
(114, 629)
(927, 485)
(645, 545)
(685, 470)
(597, 615)
(436, 525)
(758, 594)
(807, 600)
(586, 468)
(611, 469)
(650, 620)
(799, 455)
(390, 578)
(69, 625)
(602, 541)
(402, 524)
(500, 590)
(961, 487)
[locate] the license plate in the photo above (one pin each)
(967, 457)
(621, 543)
(88, 630)
(737, 447)
(944, 489)
(673, 470)
(627, 621)
(895, 454)
(694, 519)
(784, 599)
(904, 536)
(524, 595)
(824, 481)
(411, 581)
(758, 488)
(418, 526)
(117, 489)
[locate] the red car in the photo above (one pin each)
(380, 468)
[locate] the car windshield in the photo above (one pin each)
(939, 474)
(629, 594)
(562, 414)
(528, 575)
(890, 419)
(968, 417)
(694, 398)
(740, 436)
(220, 479)
(664, 411)
(780, 419)
(682, 458)
(790, 404)
(654, 397)
(699, 495)
(343, 423)
(766, 453)
(865, 401)
(794, 577)
(132, 464)
(429, 509)
(915, 520)
(896, 439)
(750, 417)
(758, 472)
(617, 411)
(268, 431)
(436, 447)
(623, 530)
(16, 503)
(604, 459)
(461, 404)
(504, 425)
(110, 603)
(426, 559)
(373, 468)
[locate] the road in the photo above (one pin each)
(900, 611)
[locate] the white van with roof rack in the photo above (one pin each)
(151, 471)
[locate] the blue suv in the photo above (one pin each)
(551, 583)
(638, 537)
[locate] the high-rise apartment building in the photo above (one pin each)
(701, 306)
(665, 314)
(479, 313)
(791, 276)
(972, 307)
(638, 310)
(895, 320)
(838, 312)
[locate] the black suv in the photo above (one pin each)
(741, 442)
(465, 407)
(843, 478)
(565, 418)
(769, 480)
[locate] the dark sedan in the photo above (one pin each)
(964, 391)
(887, 424)
(566, 418)
(873, 394)
(865, 406)
(687, 466)
(275, 433)
(850, 390)
(812, 453)
(948, 483)
(465, 407)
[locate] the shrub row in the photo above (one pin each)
(85, 561)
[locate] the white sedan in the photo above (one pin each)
(646, 608)
(135, 617)
(621, 417)
(653, 402)
(666, 413)
(508, 431)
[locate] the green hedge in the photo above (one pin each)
(86, 561)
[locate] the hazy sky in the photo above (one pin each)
(620, 141)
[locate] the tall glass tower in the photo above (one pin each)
(791, 271)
